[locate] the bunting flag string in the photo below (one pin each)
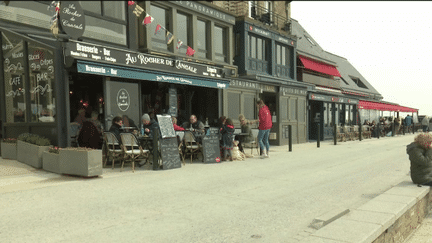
(190, 51)
(179, 43)
(147, 19)
(158, 29)
(54, 19)
(169, 37)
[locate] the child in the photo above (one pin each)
(227, 139)
(420, 156)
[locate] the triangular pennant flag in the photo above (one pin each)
(130, 3)
(148, 19)
(179, 43)
(190, 51)
(169, 37)
(138, 10)
(158, 29)
(54, 29)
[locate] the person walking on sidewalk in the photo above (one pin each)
(420, 156)
(265, 123)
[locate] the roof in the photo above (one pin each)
(306, 48)
(346, 69)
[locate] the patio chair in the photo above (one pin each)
(191, 146)
(340, 135)
(112, 147)
(254, 143)
(131, 149)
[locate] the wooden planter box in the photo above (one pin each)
(51, 162)
(30, 154)
(81, 162)
(9, 150)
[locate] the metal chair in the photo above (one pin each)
(254, 143)
(131, 149)
(191, 146)
(112, 146)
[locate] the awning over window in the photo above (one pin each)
(319, 66)
(370, 105)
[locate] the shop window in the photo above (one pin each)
(249, 107)
(32, 13)
(14, 78)
(202, 27)
(220, 44)
(41, 73)
(104, 30)
(183, 31)
(160, 15)
(233, 104)
(258, 48)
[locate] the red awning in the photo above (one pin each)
(371, 105)
(319, 66)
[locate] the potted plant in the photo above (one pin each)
(51, 160)
(9, 148)
(30, 148)
(80, 161)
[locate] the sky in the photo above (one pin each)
(388, 42)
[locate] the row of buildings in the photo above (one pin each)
(129, 58)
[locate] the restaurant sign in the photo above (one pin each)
(92, 52)
(335, 99)
(200, 8)
(134, 73)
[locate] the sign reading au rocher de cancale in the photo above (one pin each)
(92, 52)
(72, 18)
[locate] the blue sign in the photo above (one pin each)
(116, 71)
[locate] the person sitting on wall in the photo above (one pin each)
(148, 125)
(116, 127)
(196, 126)
(420, 156)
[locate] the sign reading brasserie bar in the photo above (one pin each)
(91, 52)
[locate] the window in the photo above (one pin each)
(258, 48)
(14, 78)
(358, 82)
(310, 40)
(202, 39)
(220, 45)
(344, 81)
(281, 55)
(159, 41)
(183, 31)
(92, 6)
(41, 73)
(114, 9)
(252, 9)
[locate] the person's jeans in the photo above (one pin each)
(425, 128)
(263, 139)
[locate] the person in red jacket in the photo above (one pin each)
(265, 124)
(176, 127)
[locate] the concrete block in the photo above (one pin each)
(316, 239)
(327, 218)
(398, 209)
(409, 200)
(409, 189)
(383, 219)
(350, 231)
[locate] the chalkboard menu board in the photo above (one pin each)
(170, 153)
(166, 126)
(211, 150)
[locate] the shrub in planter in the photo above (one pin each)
(30, 149)
(51, 160)
(81, 161)
(9, 148)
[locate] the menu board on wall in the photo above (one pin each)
(166, 126)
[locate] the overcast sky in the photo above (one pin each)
(388, 42)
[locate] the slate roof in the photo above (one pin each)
(304, 47)
(346, 70)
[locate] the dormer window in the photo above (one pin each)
(310, 40)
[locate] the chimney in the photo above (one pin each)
(288, 10)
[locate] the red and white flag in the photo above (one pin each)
(179, 43)
(148, 19)
(158, 29)
(190, 51)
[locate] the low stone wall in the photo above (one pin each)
(408, 222)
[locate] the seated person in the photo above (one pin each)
(176, 127)
(128, 122)
(420, 156)
(196, 126)
(89, 136)
(148, 125)
(95, 121)
(117, 123)
(245, 128)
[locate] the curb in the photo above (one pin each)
(389, 217)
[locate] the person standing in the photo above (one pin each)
(408, 122)
(265, 124)
(227, 139)
(425, 123)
